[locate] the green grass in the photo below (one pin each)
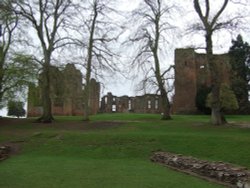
(119, 157)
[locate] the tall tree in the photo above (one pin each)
(210, 23)
(48, 18)
(8, 25)
(97, 34)
(240, 62)
(153, 24)
(14, 70)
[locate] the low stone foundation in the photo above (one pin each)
(4, 152)
(227, 174)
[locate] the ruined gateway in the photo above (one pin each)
(67, 93)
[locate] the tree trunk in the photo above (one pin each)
(217, 117)
(210, 25)
(86, 102)
(160, 81)
(46, 100)
(164, 96)
(89, 64)
(1, 70)
(166, 106)
(1, 84)
(163, 92)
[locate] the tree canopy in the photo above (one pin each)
(16, 108)
(228, 99)
(239, 54)
(16, 67)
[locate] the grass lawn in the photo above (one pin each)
(117, 156)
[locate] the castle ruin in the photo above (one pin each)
(191, 73)
(148, 103)
(67, 89)
(66, 92)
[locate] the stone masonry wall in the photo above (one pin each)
(148, 103)
(66, 93)
(228, 174)
(192, 72)
(4, 152)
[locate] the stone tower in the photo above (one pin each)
(192, 72)
(185, 81)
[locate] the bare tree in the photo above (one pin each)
(210, 23)
(97, 36)
(153, 26)
(8, 24)
(48, 18)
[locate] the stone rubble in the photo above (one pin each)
(4, 152)
(225, 173)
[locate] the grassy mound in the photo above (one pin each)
(72, 153)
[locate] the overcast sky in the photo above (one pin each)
(187, 16)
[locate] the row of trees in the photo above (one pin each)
(92, 28)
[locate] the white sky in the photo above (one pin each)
(122, 86)
(222, 40)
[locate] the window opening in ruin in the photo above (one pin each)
(113, 108)
(149, 104)
(129, 105)
(185, 63)
(106, 100)
(202, 66)
(156, 104)
(113, 99)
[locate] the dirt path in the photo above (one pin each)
(63, 125)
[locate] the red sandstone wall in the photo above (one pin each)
(66, 94)
(191, 71)
(185, 81)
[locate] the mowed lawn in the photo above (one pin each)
(117, 156)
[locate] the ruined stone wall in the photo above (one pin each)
(73, 95)
(34, 101)
(107, 102)
(185, 81)
(66, 93)
(192, 72)
(148, 103)
(224, 173)
(94, 96)
(122, 104)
